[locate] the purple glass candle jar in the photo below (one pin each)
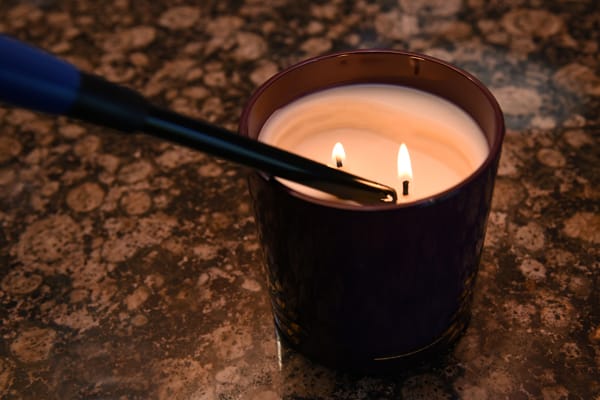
(369, 288)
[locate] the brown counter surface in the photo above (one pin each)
(130, 268)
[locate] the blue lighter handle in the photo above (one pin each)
(34, 79)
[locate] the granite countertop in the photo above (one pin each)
(130, 268)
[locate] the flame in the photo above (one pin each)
(404, 165)
(338, 155)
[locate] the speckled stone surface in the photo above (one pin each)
(130, 268)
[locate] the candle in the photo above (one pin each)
(375, 287)
(371, 121)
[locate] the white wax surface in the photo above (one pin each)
(371, 121)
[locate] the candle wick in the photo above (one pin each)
(405, 188)
(338, 162)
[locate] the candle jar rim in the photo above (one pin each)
(494, 145)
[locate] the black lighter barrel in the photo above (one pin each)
(222, 143)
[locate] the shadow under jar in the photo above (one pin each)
(373, 288)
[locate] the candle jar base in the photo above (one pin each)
(373, 288)
(433, 354)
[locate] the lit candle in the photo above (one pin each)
(376, 287)
(371, 121)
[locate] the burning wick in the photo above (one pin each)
(404, 168)
(338, 155)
